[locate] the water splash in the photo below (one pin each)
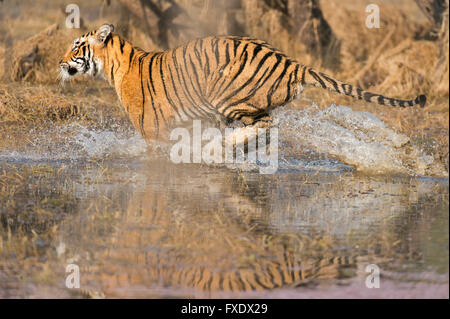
(359, 139)
(334, 139)
(100, 144)
(77, 142)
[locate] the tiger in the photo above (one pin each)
(222, 78)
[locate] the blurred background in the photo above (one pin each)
(407, 54)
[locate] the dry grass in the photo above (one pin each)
(405, 66)
(36, 58)
(26, 104)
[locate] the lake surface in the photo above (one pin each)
(154, 229)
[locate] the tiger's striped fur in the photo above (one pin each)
(226, 78)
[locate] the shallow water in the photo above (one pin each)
(334, 139)
(138, 226)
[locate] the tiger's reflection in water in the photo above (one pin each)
(190, 230)
(203, 229)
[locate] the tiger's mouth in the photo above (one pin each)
(70, 69)
(67, 71)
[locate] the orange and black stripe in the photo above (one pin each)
(237, 78)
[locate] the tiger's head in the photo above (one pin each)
(86, 54)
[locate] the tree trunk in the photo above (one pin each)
(442, 69)
(433, 10)
(311, 28)
(294, 26)
(173, 22)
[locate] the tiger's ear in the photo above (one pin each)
(104, 31)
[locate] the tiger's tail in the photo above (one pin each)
(321, 80)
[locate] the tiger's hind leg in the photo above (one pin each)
(243, 135)
(261, 120)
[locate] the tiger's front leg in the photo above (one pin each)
(246, 134)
